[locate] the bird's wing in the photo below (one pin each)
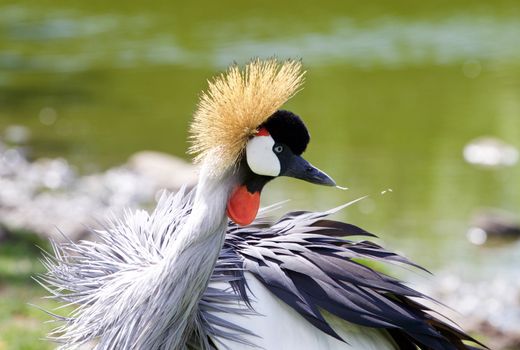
(309, 271)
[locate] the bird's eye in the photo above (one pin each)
(278, 149)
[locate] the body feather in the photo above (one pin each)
(300, 267)
(138, 286)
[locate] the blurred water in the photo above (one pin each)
(393, 95)
(75, 41)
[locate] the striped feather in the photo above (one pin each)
(304, 261)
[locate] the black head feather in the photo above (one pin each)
(287, 128)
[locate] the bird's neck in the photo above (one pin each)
(208, 215)
(190, 260)
(203, 233)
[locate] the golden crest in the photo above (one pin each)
(235, 104)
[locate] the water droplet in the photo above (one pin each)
(471, 69)
(476, 235)
(47, 116)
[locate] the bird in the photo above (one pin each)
(209, 269)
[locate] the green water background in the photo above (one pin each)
(394, 91)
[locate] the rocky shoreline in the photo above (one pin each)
(49, 197)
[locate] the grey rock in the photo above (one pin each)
(497, 223)
(490, 152)
(167, 171)
(48, 196)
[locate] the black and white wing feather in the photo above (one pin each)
(308, 264)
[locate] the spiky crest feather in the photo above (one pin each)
(235, 104)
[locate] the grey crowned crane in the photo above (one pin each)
(203, 272)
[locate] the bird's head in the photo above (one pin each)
(238, 128)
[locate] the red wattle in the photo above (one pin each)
(243, 205)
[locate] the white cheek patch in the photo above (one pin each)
(260, 156)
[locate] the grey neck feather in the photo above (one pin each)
(190, 259)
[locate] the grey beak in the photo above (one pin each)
(299, 168)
